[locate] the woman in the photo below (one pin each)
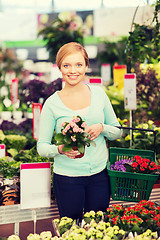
(80, 184)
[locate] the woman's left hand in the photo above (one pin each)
(94, 130)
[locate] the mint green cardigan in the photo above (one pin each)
(54, 112)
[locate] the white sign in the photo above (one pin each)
(35, 181)
(116, 21)
(36, 109)
(106, 73)
(130, 91)
(2, 150)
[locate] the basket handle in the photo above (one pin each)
(141, 129)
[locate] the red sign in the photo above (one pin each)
(14, 90)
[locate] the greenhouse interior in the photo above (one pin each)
(91, 173)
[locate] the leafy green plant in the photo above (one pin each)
(9, 167)
(17, 142)
(113, 52)
(31, 155)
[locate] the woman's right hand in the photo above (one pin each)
(71, 154)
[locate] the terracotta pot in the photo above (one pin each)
(80, 155)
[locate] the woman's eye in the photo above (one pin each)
(79, 64)
(66, 65)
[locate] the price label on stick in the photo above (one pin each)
(14, 90)
(95, 81)
(2, 150)
(106, 73)
(36, 108)
(130, 91)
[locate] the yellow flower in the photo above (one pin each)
(13, 237)
(150, 122)
(127, 138)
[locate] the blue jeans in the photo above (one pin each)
(76, 195)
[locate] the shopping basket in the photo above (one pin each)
(127, 186)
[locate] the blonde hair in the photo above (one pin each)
(68, 49)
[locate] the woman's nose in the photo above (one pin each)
(73, 69)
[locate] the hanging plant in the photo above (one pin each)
(143, 42)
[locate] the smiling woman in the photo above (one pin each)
(78, 181)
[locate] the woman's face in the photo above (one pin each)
(73, 68)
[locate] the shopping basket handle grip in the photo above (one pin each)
(142, 129)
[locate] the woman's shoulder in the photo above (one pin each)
(52, 98)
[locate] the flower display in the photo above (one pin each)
(137, 165)
(137, 222)
(73, 135)
(139, 218)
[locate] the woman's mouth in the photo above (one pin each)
(73, 77)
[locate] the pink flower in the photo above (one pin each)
(73, 138)
(62, 125)
(75, 119)
(84, 124)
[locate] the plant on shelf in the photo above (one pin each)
(138, 222)
(9, 168)
(117, 222)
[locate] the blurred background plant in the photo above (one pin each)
(140, 139)
(67, 27)
(143, 42)
(148, 93)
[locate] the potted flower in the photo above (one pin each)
(73, 136)
(136, 165)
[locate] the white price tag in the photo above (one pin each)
(2, 150)
(106, 73)
(36, 108)
(130, 91)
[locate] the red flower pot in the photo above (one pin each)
(80, 155)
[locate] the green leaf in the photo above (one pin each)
(80, 148)
(13, 152)
(67, 139)
(67, 148)
(128, 167)
(58, 137)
